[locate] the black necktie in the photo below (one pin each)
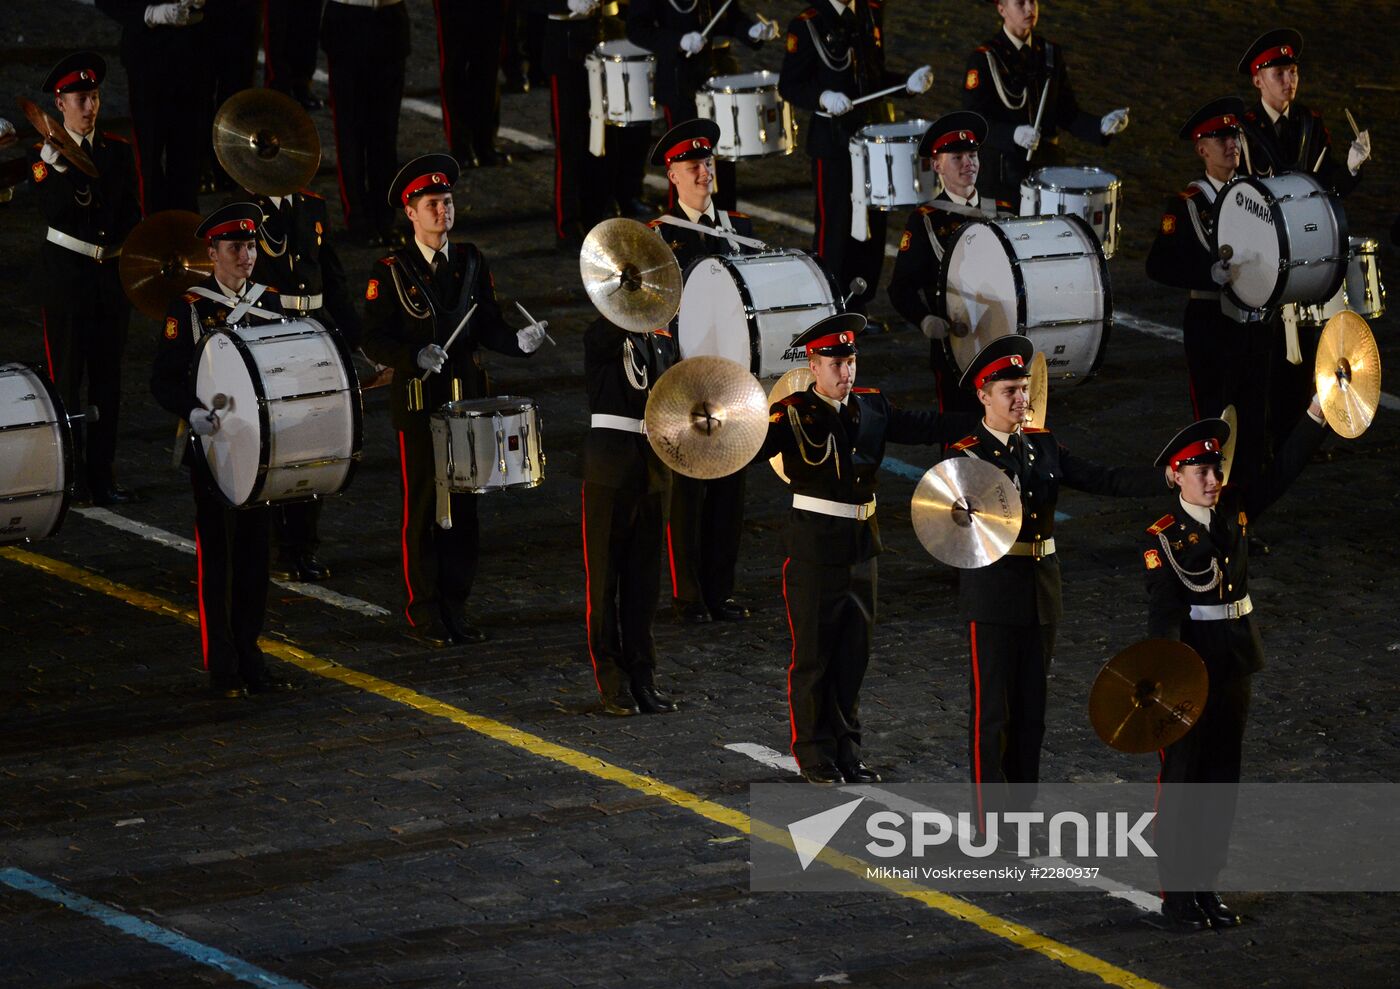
(1281, 128)
(848, 19)
(1015, 445)
(436, 262)
(87, 147)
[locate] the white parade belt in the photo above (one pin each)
(302, 303)
(601, 420)
(838, 509)
(1038, 548)
(1219, 612)
(95, 251)
(368, 3)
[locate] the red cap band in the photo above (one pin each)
(830, 340)
(689, 144)
(231, 227)
(1282, 51)
(1221, 122)
(82, 75)
(1012, 360)
(422, 182)
(953, 137)
(1196, 449)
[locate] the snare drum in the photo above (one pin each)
(749, 308)
(621, 84)
(1362, 291)
(886, 170)
(36, 456)
(1040, 277)
(488, 444)
(754, 121)
(292, 425)
(1089, 193)
(1287, 237)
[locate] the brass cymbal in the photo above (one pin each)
(630, 274)
(266, 142)
(793, 381)
(1040, 392)
(1348, 374)
(707, 417)
(51, 130)
(966, 512)
(161, 259)
(1149, 695)
(1227, 454)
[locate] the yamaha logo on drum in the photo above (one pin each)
(1255, 208)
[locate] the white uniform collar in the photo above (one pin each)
(276, 201)
(838, 406)
(428, 252)
(841, 8)
(230, 293)
(1015, 40)
(1003, 438)
(1200, 513)
(78, 139)
(1215, 183)
(971, 201)
(1274, 114)
(694, 215)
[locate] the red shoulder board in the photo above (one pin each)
(1003, 204)
(661, 331)
(865, 391)
(791, 399)
(807, 14)
(654, 224)
(966, 443)
(190, 297)
(1034, 429)
(116, 137)
(1161, 525)
(388, 261)
(737, 215)
(1188, 192)
(309, 194)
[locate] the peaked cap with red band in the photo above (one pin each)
(76, 73)
(1004, 358)
(834, 336)
(1278, 47)
(961, 130)
(1218, 118)
(1202, 442)
(424, 174)
(233, 221)
(687, 141)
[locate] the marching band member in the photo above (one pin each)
(414, 301)
(832, 439)
(706, 518)
(1006, 82)
(293, 30)
(1197, 562)
(835, 55)
(952, 142)
(85, 311)
(1012, 607)
(469, 57)
(231, 543)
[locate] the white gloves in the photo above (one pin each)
(1220, 273)
(934, 327)
(51, 157)
(432, 358)
(582, 7)
(1113, 122)
(1025, 136)
(203, 423)
(180, 14)
(763, 31)
(692, 42)
(530, 337)
(1359, 151)
(919, 80)
(835, 103)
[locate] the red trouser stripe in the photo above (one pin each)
(140, 175)
(403, 532)
(792, 663)
(442, 73)
(821, 216)
(671, 555)
(48, 354)
(976, 721)
(268, 73)
(199, 590)
(588, 593)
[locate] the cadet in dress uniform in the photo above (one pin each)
(469, 58)
(292, 29)
(366, 45)
(297, 259)
(916, 284)
(1005, 81)
(414, 301)
(231, 543)
(167, 51)
(706, 518)
(85, 311)
(1012, 607)
(832, 439)
(835, 54)
(1228, 359)
(1197, 561)
(624, 497)
(685, 59)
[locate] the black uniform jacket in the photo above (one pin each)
(1308, 148)
(1021, 590)
(619, 371)
(98, 211)
(1214, 560)
(1183, 252)
(657, 25)
(829, 456)
(690, 246)
(187, 321)
(404, 313)
(297, 258)
(168, 49)
(826, 52)
(914, 286)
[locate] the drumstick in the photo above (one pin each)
(713, 21)
(533, 320)
(1352, 120)
(460, 326)
(870, 96)
(1039, 116)
(217, 404)
(676, 221)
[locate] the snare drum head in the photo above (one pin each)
(746, 82)
(622, 50)
(904, 130)
(1072, 178)
(235, 453)
(495, 405)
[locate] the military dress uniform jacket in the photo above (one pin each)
(1190, 565)
(690, 246)
(836, 456)
(915, 285)
(619, 370)
(1306, 146)
(1183, 253)
(658, 25)
(100, 211)
(407, 307)
(1004, 84)
(826, 51)
(1025, 590)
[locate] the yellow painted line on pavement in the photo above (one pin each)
(959, 909)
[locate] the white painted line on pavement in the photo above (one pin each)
(774, 759)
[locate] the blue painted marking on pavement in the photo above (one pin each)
(203, 954)
(896, 466)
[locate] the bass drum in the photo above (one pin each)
(749, 308)
(1038, 277)
(36, 456)
(293, 423)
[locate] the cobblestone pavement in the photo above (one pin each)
(340, 837)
